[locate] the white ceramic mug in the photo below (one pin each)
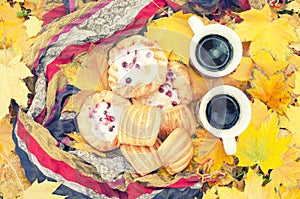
(215, 49)
(225, 111)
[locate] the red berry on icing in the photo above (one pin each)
(161, 89)
(124, 64)
(174, 103)
(128, 80)
(111, 128)
(148, 55)
(138, 66)
(169, 93)
(110, 118)
(128, 52)
(108, 105)
(134, 60)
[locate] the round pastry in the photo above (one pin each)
(176, 89)
(137, 66)
(99, 117)
(172, 97)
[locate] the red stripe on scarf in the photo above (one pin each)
(72, 51)
(62, 168)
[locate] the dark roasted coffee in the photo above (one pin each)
(222, 111)
(214, 52)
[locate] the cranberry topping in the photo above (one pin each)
(174, 103)
(108, 105)
(110, 118)
(161, 89)
(169, 93)
(137, 66)
(128, 80)
(124, 64)
(148, 55)
(111, 128)
(134, 60)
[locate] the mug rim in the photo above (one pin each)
(245, 111)
(227, 33)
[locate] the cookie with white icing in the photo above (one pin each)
(172, 97)
(99, 118)
(137, 66)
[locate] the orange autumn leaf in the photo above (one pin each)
(257, 146)
(271, 90)
(287, 174)
(244, 69)
(205, 152)
(263, 30)
(268, 64)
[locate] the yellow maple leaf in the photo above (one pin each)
(273, 35)
(253, 189)
(297, 83)
(13, 28)
(75, 101)
(291, 122)
(287, 174)
(12, 85)
(258, 146)
(271, 90)
(167, 31)
(269, 65)
(71, 71)
(33, 26)
(286, 193)
(42, 190)
(6, 137)
(209, 147)
(260, 113)
(244, 69)
(80, 143)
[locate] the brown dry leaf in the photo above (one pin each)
(93, 75)
(260, 113)
(262, 29)
(244, 70)
(6, 137)
(271, 90)
(75, 101)
(42, 190)
(210, 148)
(80, 143)
(287, 174)
(11, 77)
(268, 64)
(291, 122)
(13, 181)
(257, 146)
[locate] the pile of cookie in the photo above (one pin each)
(146, 113)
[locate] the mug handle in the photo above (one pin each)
(229, 145)
(195, 24)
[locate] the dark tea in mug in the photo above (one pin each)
(214, 52)
(222, 111)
